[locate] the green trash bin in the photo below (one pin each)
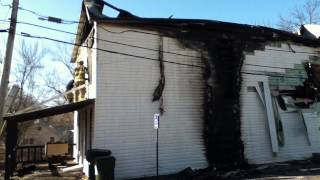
(105, 167)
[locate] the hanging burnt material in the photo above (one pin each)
(157, 94)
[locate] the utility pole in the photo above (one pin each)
(8, 57)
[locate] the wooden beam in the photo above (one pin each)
(49, 111)
(11, 144)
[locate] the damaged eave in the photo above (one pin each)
(82, 30)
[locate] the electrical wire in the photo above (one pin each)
(140, 47)
(125, 31)
(62, 21)
(30, 11)
(104, 50)
(49, 18)
(104, 40)
(119, 43)
(270, 49)
(40, 26)
(264, 73)
(43, 17)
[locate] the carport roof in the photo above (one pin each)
(49, 111)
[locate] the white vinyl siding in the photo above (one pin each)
(254, 127)
(124, 107)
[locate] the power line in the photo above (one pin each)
(113, 42)
(104, 50)
(119, 43)
(125, 31)
(264, 73)
(30, 11)
(270, 49)
(43, 17)
(63, 21)
(49, 18)
(40, 26)
(150, 49)
(134, 46)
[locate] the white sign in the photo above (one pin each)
(156, 121)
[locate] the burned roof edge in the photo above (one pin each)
(211, 25)
(88, 16)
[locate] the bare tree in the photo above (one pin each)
(54, 79)
(26, 74)
(26, 69)
(63, 56)
(309, 13)
(57, 77)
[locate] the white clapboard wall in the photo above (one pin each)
(124, 109)
(254, 123)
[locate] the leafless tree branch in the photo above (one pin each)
(25, 73)
(309, 13)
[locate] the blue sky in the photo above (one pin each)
(239, 11)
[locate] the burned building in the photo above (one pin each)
(227, 94)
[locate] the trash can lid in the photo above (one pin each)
(91, 154)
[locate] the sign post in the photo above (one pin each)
(156, 123)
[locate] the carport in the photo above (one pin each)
(12, 128)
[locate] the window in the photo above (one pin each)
(51, 139)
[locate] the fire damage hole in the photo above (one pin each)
(304, 95)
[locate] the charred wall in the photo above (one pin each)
(222, 49)
(223, 56)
